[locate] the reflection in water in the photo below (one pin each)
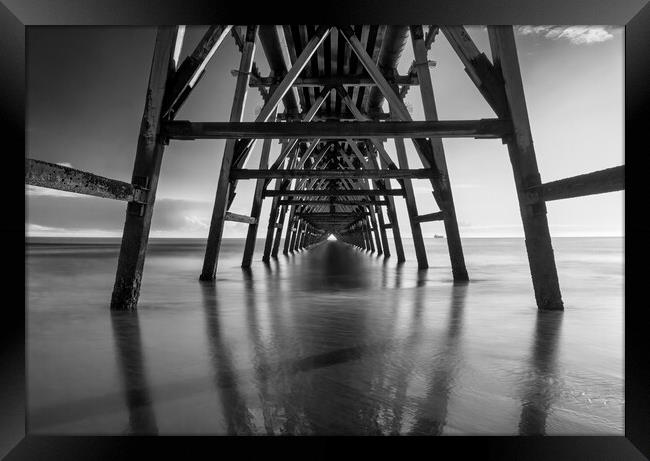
(236, 413)
(126, 333)
(542, 385)
(326, 342)
(432, 417)
(333, 267)
(407, 366)
(260, 360)
(286, 414)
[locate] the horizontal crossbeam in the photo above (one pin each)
(240, 218)
(333, 193)
(320, 215)
(53, 176)
(347, 80)
(486, 128)
(598, 182)
(421, 173)
(437, 216)
(333, 202)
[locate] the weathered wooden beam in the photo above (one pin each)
(526, 173)
(486, 128)
(343, 116)
(431, 36)
(421, 173)
(308, 117)
(239, 218)
(53, 176)
(334, 202)
(280, 91)
(308, 153)
(277, 217)
(295, 233)
(146, 170)
(255, 72)
(347, 80)
(298, 66)
(333, 193)
(256, 209)
(597, 182)
(412, 209)
(382, 231)
(325, 214)
(221, 201)
(385, 162)
(374, 228)
(437, 216)
(272, 46)
(443, 193)
(192, 68)
(397, 106)
(478, 67)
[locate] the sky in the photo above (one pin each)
(86, 89)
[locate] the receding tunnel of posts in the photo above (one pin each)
(332, 176)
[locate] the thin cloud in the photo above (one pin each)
(578, 35)
(36, 191)
(196, 222)
(35, 230)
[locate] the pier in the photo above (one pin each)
(323, 100)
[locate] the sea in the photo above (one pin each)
(332, 340)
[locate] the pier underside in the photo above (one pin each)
(333, 99)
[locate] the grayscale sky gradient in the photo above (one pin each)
(86, 89)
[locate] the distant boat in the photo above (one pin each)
(437, 236)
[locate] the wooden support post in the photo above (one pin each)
(146, 170)
(367, 233)
(273, 228)
(256, 209)
(303, 236)
(290, 225)
(294, 234)
(299, 232)
(445, 197)
(526, 172)
(278, 235)
(357, 235)
(411, 206)
(382, 230)
(375, 230)
(366, 221)
(394, 224)
(223, 185)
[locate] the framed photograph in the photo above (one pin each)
(397, 219)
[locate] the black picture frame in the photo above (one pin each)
(17, 15)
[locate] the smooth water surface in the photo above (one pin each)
(328, 341)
